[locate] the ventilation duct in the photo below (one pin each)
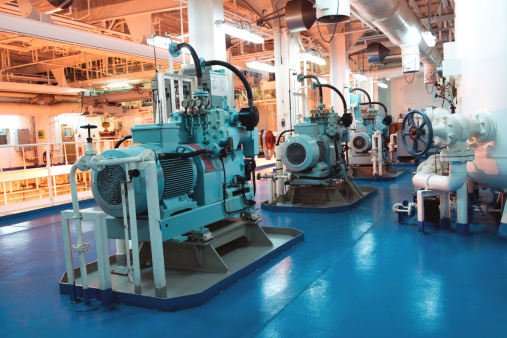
(50, 6)
(376, 52)
(299, 15)
(397, 21)
(331, 11)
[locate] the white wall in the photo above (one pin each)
(414, 95)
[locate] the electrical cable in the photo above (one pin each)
(123, 139)
(281, 134)
(321, 97)
(238, 73)
(195, 57)
(365, 92)
(339, 94)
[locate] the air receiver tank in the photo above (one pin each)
(483, 88)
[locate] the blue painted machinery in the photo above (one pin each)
(369, 154)
(171, 199)
(316, 169)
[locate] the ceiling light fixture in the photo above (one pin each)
(163, 42)
(239, 32)
(264, 67)
(360, 77)
(429, 38)
(382, 85)
(312, 57)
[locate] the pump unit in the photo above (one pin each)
(173, 195)
(316, 171)
(371, 154)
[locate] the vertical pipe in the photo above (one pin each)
(157, 249)
(379, 151)
(135, 238)
(279, 168)
(271, 191)
(50, 183)
(445, 211)
(79, 233)
(420, 210)
(462, 226)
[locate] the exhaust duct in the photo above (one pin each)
(397, 21)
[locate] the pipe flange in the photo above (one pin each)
(148, 155)
(487, 126)
(452, 127)
(457, 156)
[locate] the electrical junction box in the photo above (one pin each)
(41, 135)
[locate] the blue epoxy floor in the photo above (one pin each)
(358, 273)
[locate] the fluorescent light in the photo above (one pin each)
(311, 57)
(360, 77)
(158, 41)
(382, 85)
(119, 85)
(162, 42)
(239, 33)
(429, 38)
(260, 66)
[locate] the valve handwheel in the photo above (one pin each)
(416, 133)
(89, 127)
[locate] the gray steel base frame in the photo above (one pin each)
(195, 271)
(337, 197)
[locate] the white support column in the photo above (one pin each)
(339, 70)
(287, 62)
(207, 39)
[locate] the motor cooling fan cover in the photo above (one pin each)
(300, 153)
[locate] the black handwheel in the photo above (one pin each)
(89, 127)
(416, 133)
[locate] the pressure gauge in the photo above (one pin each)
(191, 103)
(205, 102)
(198, 103)
(184, 104)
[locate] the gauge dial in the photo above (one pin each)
(184, 104)
(191, 103)
(197, 102)
(205, 102)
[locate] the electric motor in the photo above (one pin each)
(361, 142)
(303, 152)
(175, 177)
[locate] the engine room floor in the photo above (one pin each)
(358, 273)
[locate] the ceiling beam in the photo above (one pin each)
(416, 8)
(128, 8)
(441, 18)
(79, 38)
(37, 88)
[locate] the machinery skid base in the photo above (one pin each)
(320, 200)
(366, 174)
(192, 286)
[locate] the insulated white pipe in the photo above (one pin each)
(79, 230)
(374, 155)
(462, 197)
(392, 146)
(279, 169)
(380, 159)
(426, 179)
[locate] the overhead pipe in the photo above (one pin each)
(397, 21)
